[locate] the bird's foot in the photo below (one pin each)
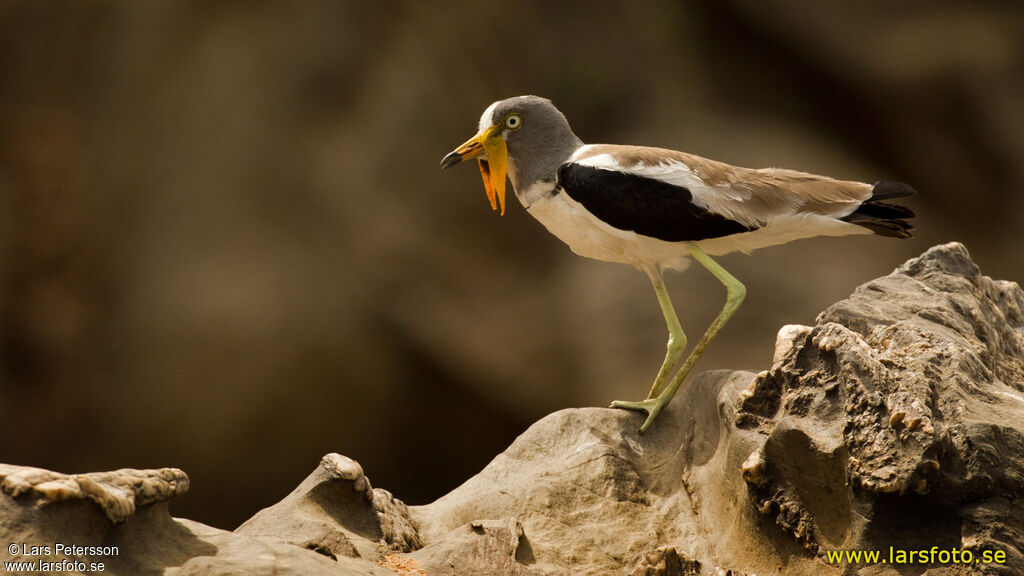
(652, 406)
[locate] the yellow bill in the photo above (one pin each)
(493, 166)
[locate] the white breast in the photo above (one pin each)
(588, 236)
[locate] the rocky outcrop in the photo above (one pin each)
(894, 424)
(336, 512)
(118, 523)
(903, 406)
(117, 493)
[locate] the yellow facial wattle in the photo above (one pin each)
(493, 164)
(494, 168)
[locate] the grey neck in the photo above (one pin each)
(541, 165)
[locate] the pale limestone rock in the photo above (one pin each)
(896, 420)
(117, 493)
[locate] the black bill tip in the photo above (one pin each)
(450, 160)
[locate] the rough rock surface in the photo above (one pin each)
(899, 418)
(117, 493)
(124, 516)
(895, 424)
(336, 512)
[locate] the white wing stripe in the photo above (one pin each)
(670, 171)
(679, 174)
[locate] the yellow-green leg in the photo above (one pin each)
(676, 337)
(735, 292)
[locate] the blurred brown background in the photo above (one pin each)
(226, 245)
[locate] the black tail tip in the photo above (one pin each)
(884, 218)
(885, 189)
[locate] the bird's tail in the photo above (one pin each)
(883, 218)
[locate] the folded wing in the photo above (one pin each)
(676, 196)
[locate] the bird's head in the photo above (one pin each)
(527, 134)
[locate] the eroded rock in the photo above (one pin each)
(895, 423)
(911, 391)
(117, 493)
(335, 511)
(123, 516)
(665, 561)
(592, 496)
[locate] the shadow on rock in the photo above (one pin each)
(894, 424)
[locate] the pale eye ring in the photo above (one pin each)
(513, 121)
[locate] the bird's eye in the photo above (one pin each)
(513, 121)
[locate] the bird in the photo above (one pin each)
(656, 209)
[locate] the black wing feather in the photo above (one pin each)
(643, 205)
